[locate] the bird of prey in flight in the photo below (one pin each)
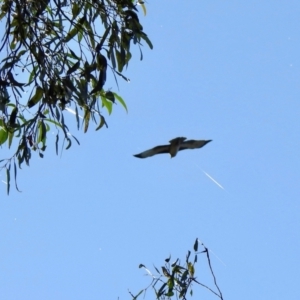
(175, 145)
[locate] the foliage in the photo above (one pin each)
(176, 279)
(56, 46)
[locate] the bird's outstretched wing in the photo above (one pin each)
(193, 144)
(154, 151)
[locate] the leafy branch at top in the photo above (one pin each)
(56, 48)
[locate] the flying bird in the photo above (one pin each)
(176, 145)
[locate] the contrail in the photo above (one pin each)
(73, 112)
(217, 183)
(213, 253)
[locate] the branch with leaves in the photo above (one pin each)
(176, 279)
(56, 46)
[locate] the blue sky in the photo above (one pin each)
(226, 71)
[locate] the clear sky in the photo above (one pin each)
(226, 71)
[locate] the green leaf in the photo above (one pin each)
(21, 53)
(120, 60)
(47, 127)
(75, 10)
(170, 283)
(13, 43)
(191, 269)
(46, 112)
(10, 138)
(3, 135)
(169, 294)
(71, 34)
(42, 132)
(36, 98)
(120, 99)
(141, 3)
(107, 104)
(80, 35)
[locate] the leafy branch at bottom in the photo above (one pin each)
(176, 279)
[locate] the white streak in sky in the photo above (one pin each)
(213, 253)
(217, 183)
(72, 112)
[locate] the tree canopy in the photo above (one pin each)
(64, 50)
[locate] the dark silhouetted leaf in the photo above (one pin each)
(36, 98)
(110, 96)
(73, 68)
(136, 296)
(13, 81)
(69, 143)
(15, 173)
(102, 122)
(13, 115)
(87, 115)
(56, 143)
(8, 179)
(196, 245)
(146, 39)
